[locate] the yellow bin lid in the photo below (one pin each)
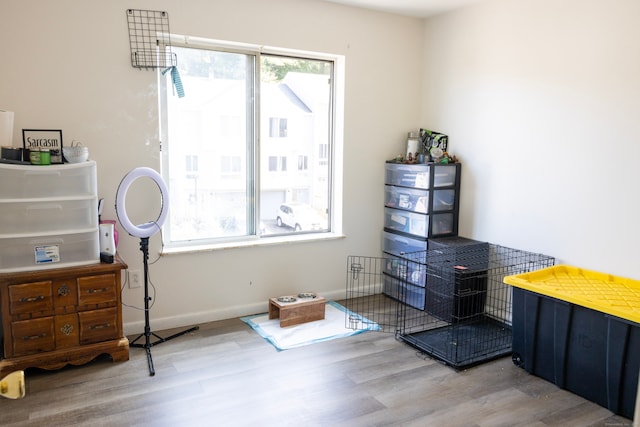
(609, 294)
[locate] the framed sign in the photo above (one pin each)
(37, 139)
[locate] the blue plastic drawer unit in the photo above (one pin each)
(405, 293)
(397, 244)
(579, 329)
(406, 270)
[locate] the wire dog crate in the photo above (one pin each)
(449, 302)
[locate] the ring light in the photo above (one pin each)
(150, 228)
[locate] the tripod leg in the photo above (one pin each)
(152, 370)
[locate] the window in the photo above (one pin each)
(277, 164)
(246, 111)
(191, 165)
(303, 164)
(230, 165)
(277, 127)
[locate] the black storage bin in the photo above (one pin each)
(585, 351)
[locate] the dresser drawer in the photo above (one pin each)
(30, 298)
(99, 289)
(32, 336)
(98, 325)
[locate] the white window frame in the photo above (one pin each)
(336, 152)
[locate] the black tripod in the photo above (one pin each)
(144, 247)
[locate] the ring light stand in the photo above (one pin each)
(144, 231)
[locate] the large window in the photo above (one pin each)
(257, 132)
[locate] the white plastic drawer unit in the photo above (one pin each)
(47, 216)
(67, 180)
(30, 252)
(417, 200)
(419, 176)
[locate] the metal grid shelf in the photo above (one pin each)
(149, 39)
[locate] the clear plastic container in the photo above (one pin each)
(55, 251)
(31, 182)
(396, 244)
(47, 216)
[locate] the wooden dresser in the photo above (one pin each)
(51, 318)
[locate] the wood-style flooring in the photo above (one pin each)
(225, 374)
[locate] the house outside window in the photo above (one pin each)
(246, 111)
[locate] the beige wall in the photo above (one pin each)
(66, 66)
(541, 101)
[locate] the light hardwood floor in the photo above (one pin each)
(224, 374)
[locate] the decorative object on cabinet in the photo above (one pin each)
(49, 139)
(144, 231)
(49, 216)
(431, 139)
(52, 318)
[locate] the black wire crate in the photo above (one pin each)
(449, 302)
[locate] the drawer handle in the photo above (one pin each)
(33, 337)
(98, 290)
(32, 299)
(63, 290)
(100, 326)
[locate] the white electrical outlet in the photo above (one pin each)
(135, 279)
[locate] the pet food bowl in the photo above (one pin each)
(77, 154)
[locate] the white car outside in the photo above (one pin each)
(300, 217)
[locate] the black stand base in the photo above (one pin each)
(144, 247)
(148, 344)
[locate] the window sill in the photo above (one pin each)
(265, 241)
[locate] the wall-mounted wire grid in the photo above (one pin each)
(149, 39)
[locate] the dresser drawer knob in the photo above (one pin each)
(98, 290)
(63, 290)
(66, 329)
(32, 299)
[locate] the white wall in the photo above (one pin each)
(65, 65)
(541, 99)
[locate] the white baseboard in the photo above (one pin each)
(190, 319)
